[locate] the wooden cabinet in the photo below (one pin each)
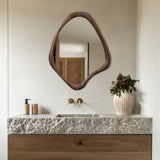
(79, 147)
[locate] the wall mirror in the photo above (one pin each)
(79, 51)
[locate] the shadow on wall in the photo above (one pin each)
(43, 110)
(137, 106)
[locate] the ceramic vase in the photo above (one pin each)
(124, 104)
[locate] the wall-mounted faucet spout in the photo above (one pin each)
(79, 101)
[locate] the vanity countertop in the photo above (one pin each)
(79, 124)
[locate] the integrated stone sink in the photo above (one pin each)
(79, 124)
(80, 115)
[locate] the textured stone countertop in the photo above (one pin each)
(79, 124)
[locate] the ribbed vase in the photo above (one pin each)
(123, 104)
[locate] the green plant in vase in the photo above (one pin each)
(122, 90)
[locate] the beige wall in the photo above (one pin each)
(32, 26)
(148, 65)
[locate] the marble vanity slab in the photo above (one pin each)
(79, 124)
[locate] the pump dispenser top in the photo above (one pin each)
(26, 100)
(26, 107)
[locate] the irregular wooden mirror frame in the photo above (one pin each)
(106, 50)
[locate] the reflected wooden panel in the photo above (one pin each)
(72, 69)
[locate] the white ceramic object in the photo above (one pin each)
(123, 104)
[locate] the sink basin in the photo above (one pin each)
(79, 115)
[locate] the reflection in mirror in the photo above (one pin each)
(78, 51)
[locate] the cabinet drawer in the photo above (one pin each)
(76, 147)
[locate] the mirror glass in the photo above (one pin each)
(78, 51)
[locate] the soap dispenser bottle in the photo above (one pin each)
(26, 107)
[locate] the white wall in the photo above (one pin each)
(32, 26)
(3, 80)
(148, 65)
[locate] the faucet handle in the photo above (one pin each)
(79, 101)
(70, 101)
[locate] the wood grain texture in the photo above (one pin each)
(79, 156)
(68, 147)
(72, 69)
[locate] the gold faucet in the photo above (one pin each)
(79, 101)
(70, 101)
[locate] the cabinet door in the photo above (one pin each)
(79, 147)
